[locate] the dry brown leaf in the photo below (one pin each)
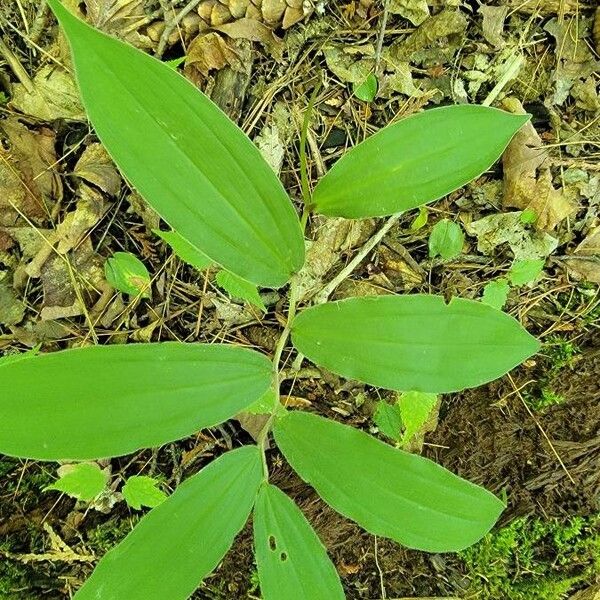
(255, 31)
(591, 593)
(209, 52)
(54, 96)
(587, 267)
(493, 24)
(96, 166)
(28, 181)
(528, 180)
(118, 17)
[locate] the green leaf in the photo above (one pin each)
(128, 274)
(140, 490)
(414, 342)
(267, 404)
(83, 481)
(388, 492)
(181, 541)
(367, 90)
(388, 419)
(111, 400)
(446, 240)
(292, 562)
(415, 408)
(525, 271)
(528, 216)
(184, 250)
(420, 220)
(417, 160)
(192, 164)
(495, 293)
(239, 288)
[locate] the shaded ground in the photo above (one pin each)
(534, 437)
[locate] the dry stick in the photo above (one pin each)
(328, 289)
(16, 66)
(381, 35)
(562, 464)
(170, 26)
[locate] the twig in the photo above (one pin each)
(510, 73)
(170, 26)
(381, 36)
(328, 289)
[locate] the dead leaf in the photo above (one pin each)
(119, 17)
(96, 166)
(255, 31)
(209, 52)
(416, 11)
(54, 96)
(350, 64)
(12, 310)
(588, 266)
(590, 593)
(507, 228)
(28, 180)
(528, 180)
(493, 24)
(334, 236)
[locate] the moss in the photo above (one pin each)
(107, 535)
(545, 398)
(534, 559)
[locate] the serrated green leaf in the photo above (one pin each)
(414, 342)
(388, 419)
(184, 250)
(181, 541)
(191, 163)
(415, 408)
(388, 492)
(104, 401)
(525, 271)
(140, 490)
(495, 293)
(128, 274)
(367, 90)
(292, 562)
(239, 288)
(417, 160)
(83, 481)
(446, 239)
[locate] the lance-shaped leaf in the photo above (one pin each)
(415, 161)
(414, 342)
(389, 492)
(292, 562)
(183, 539)
(185, 157)
(111, 400)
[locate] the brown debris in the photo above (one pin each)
(528, 180)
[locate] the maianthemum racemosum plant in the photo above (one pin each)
(210, 184)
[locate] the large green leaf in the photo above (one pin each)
(414, 342)
(389, 492)
(292, 561)
(417, 160)
(111, 400)
(183, 539)
(186, 158)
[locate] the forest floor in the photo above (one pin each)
(532, 437)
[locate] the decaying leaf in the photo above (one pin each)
(416, 11)
(528, 180)
(12, 310)
(508, 228)
(29, 183)
(96, 167)
(209, 52)
(333, 237)
(54, 96)
(255, 31)
(585, 261)
(119, 17)
(351, 64)
(493, 24)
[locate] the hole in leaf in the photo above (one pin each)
(272, 542)
(283, 556)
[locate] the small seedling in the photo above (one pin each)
(211, 185)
